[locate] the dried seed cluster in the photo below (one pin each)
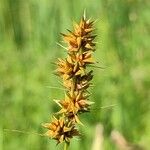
(76, 79)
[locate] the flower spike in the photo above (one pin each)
(76, 80)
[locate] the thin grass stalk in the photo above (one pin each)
(66, 146)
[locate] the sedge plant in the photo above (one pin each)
(76, 80)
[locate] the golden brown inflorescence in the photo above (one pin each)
(76, 80)
(61, 130)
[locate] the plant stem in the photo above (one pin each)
(66, 146)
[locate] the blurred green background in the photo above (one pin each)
(29, 30)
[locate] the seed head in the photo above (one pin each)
(61, 130)
(76, 81)
(81, 38)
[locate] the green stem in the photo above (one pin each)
(66, 146)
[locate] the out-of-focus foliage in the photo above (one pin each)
(29, 31)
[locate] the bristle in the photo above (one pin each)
(84, 14)
(62, 46)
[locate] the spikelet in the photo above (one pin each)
(76, 79)
(61, 130)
